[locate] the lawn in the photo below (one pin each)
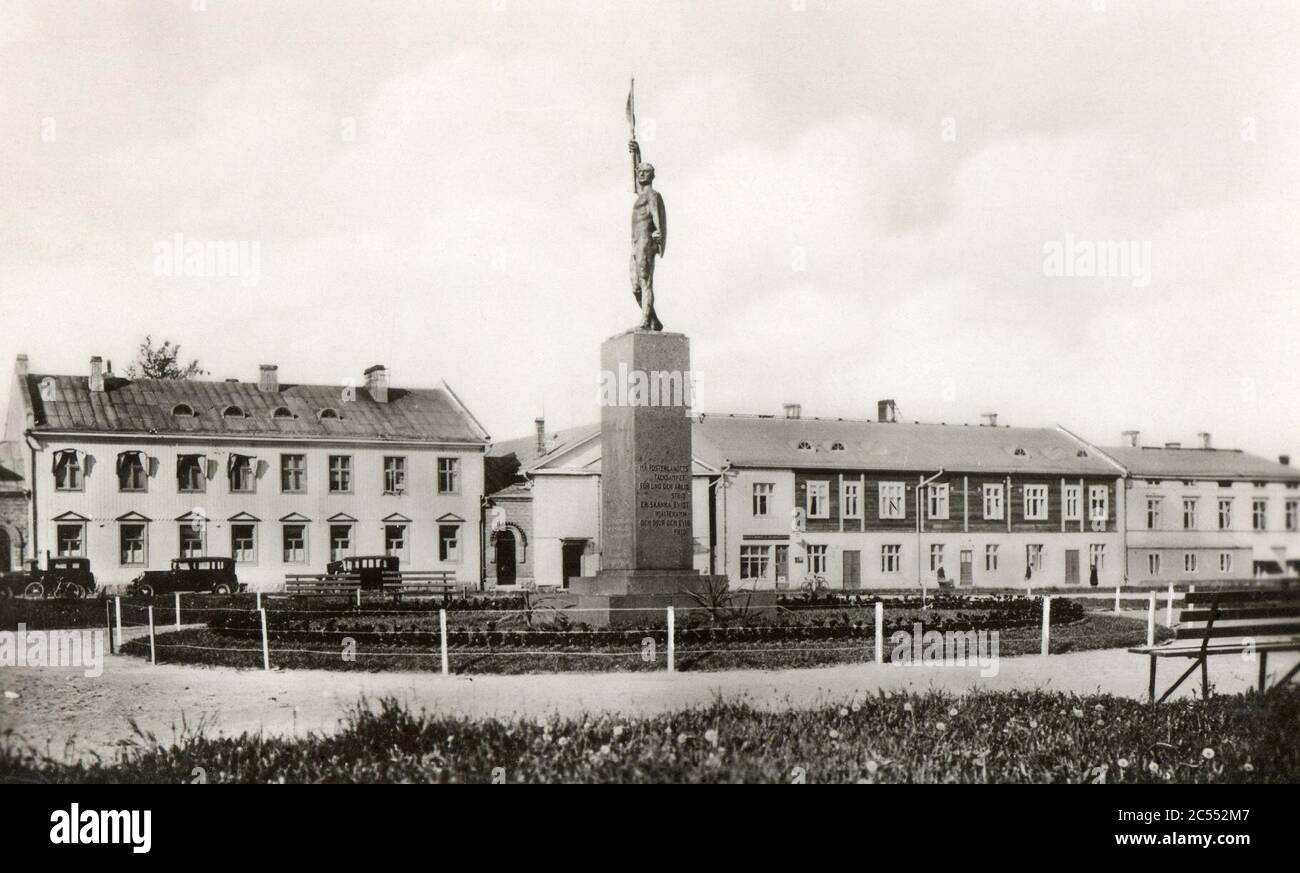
(901, 737)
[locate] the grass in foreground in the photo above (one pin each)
(902, 737)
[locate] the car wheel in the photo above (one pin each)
(144, 590)
(221, 588)
(34, 590)
(73, 591)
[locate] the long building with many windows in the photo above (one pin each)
(283, 478)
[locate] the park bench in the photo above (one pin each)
(1230, 623)
(416, 584)
(314, 584)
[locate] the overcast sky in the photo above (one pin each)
(859, 199)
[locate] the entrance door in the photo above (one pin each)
(5, 554)
(967, 567)
(571, 559)
(505, 557)
(852, 569)
(1071, 566)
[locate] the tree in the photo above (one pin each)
(162, 362)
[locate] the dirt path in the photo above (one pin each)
(62, 711)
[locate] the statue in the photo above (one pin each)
(649, 238)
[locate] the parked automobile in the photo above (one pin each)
(371, 569)
(62, 577)
(204, 575)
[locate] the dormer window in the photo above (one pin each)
(805, 446)
(328, 413)
(233, 412)
(1082, 453)
(183, 409)
(282, 412)
(837, 446)
(1020, 452)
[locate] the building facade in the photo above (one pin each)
(14, 508)
(283, 478)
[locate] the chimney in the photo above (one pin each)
(990, 418)
(1205, 439)
(886, 410)
(1284, 460)
(268, 379)
(792, 410)
(1131, 437)
(1173, 445)
(540, 425)
(377, 383)
(20, 365)
(97, 374)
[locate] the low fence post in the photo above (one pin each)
(1117, 600)
(1047, 623)
(358, 595)
(153, 652)
(1151, 619)
(672, 648)
(259, 599)
(266, 646)
(178, 609)
(108, 623)
(1169, 607)
(442, 641)
(117, 607)
(880, 632)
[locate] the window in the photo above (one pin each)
(394, 475)
(819, 500)
(191, 539)
(131, 474)
(850, 501)
(1098, 502)
(753, 562)
(893, 503)
(938, 500)
(71, 540)
(1034, 557)
(328, 414)
(1070, 503)
(67, 471)
(1293, 515)
(449, 475)
(395, 540)
(1189, 562)
(763, 498)
(936, 557)
(991, 557)
(1153, 513)
(448, 542)
(183, 409)
(243, 543)
(993, 501)
(340, 541)
(805, 446)
(1259, 515)
(837, 446)
(131, 548)
(232, 412)
(1097, 556)
(1189, 513)
(190, 475)
(241, 474)
(1225, 562)
(282, 412)
(817, 560)
(1225, 513)
(293, 474)
(890, 558)
(295, 544)
(340, 474)
(1153, 563)
(1035, 503)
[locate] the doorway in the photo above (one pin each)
(571, 552)
(505, 557)
(967, 565)
(852, 569)
(1071, 566)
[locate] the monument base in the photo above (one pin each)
(623, 598)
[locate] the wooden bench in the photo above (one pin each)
(417, 583)
(1230, 623)
(311, 585)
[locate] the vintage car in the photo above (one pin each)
(370, 568)
(63, 577)
(204, 575)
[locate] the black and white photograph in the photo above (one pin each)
(576, 391)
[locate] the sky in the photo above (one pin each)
(862, 199)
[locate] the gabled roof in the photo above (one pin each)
(145, 406)
(1160, 462)
(525, 448)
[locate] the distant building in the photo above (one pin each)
(282, 477)
(14, 507)
(1197, 513)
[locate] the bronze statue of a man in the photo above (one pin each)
(649, 237)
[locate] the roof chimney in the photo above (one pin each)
(1131, 437)
(540, 425)
(97, 373)
(268, 379)
(377, 383)
(792, 410)
(886, 410)
(1284, 460)
(990, 418)
(1173, 445)
(1205, 439)
(20, 365)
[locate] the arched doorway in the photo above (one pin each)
(505, 557)
(6, 551)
